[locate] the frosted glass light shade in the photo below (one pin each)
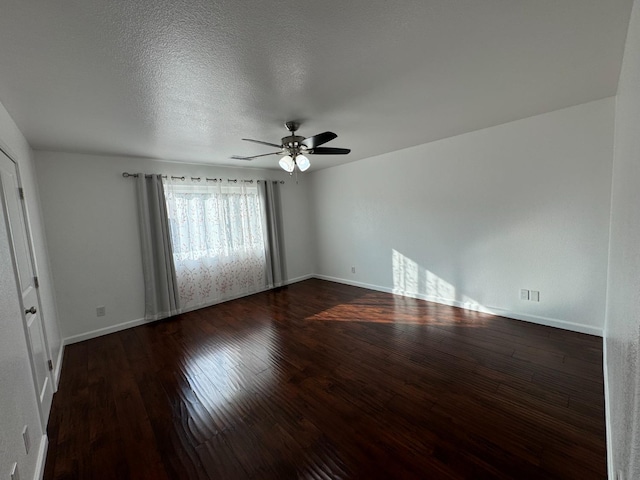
(287, 164)
(303, 163)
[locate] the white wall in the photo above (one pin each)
(472, 219)
(622, 331)
(18, 405)
(92, 229)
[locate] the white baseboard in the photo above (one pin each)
(105, 331)
(299, 279)
(42, 458)
(353, 283)
(549, 322)
(58, 369)
(141, 321)
(607, 413)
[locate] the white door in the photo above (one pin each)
(12, 203)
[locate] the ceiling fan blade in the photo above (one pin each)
(238, 157)
(262, 143)
(330, 151)
(319, 139)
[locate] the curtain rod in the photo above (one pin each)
(198, 179)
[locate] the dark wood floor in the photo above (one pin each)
(319, 380)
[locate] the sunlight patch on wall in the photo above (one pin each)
(410, 278)
(470, 304)
(413, 280)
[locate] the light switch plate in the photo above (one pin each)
(524, 294)
(535, 296)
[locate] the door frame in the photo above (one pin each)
(34, 267)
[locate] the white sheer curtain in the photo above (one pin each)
(218, 240)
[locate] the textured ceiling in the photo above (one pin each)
(186, 80)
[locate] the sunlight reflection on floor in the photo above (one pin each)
(218, 375)
(403, 310)
(411, 283)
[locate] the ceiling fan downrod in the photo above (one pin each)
(293, 143)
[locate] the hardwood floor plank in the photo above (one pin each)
(320, 380)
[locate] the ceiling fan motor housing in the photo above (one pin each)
(293, 144)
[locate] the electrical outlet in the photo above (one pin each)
(26, 439)
(524, 294)
(535, 296)
(15, 474)
(101, 311)
(353, 269)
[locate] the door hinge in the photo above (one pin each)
(36, 282)
(50, 363)
(21, 193)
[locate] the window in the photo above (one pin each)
(218, 241)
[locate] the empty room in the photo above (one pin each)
(320, 240)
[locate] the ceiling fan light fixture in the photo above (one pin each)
(295, 148)
(287, 164)
(303, 163)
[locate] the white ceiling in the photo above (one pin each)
(186, 80)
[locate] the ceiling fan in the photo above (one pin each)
(296, 148)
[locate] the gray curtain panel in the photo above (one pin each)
(274, 246)
(161, 298)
